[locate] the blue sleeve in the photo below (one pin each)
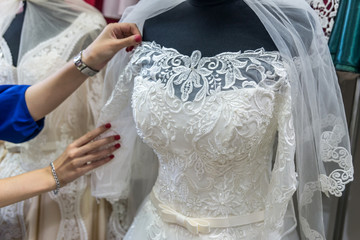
(16, 123)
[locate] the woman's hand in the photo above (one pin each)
(85, 154)
(80, 157)
(114, 37)
(45, 96)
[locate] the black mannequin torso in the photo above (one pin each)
(211, 26)
(13, 34)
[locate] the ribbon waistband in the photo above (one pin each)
(203, 225)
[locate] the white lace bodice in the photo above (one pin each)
(213, 123)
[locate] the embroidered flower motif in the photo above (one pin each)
(194, 77)
(192, 74)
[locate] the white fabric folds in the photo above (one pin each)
(323, 160)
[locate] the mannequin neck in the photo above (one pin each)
(225, 26)
(203, 3)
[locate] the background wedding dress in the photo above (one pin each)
(53, 32)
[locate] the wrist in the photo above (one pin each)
(48, 181)
(82, 61)
(89, 59)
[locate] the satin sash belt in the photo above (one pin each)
(203, 225)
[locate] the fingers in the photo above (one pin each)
(127, 35)
(123, 30)
(98, 155)
(112, 39)
(93, 146)
(129, 42)
(70, 164)
(91, 135)
(93, 165)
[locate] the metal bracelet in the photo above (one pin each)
(55, 177)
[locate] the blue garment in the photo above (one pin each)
(16, 123)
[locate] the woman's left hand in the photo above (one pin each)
(85, 154)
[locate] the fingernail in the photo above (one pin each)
(117, 137)
(111, 156)
(131, 48)
(137, 38)
(108, 125)
(127, 49)
(117, 145)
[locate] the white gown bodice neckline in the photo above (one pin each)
(213, 122)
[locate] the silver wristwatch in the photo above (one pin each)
(85, 69)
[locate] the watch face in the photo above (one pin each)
(82, 67)
(78, 64)
(77, 61)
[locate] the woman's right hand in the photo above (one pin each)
(114, 37)
(85, 154)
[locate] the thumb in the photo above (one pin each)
(129, 41)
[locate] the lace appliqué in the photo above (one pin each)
(7, 71)
(118, 222)
(12, 217)
(72, 226)
(58, 49)
(338, 160)
(326, 10)
(195, 77)
(335, 182)
(308, 193)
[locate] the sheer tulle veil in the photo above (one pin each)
(323, 159)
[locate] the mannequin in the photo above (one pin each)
(199, 20)
(142, 99)
(13, 35)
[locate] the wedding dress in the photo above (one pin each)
(53, 32)
(212, 121)
(235, 135)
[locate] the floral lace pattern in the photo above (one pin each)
(335, 182)
(72, 226)
(12, 224)
(186, 75)
(326, 10)
(118, 224)
(213, 121)
(7, 71)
